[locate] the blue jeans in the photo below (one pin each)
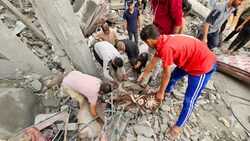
(212, 39)
(195, 85)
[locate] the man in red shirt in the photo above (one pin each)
(191, 56)
(168, 16)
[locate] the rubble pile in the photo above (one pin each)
(206, 122)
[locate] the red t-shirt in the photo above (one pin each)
(188, 53)
(167, 13)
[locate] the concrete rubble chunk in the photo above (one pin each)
(18, 110)
(35, 85)
(224, 121)
(207, 107)
(165, 108)
(144, 123)
(168, 101)
(210, 85)
(41, 117)
(52, 103)
(142, 138)
(143, 130)
(212, 97)
(130, 137)
(71, 126)
(163, 128)
(187, 131)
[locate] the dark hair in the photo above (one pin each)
(133, 62)
(105, 27)
(118, 62)
(105, 88)
(149, 31)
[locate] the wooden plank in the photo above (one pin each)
(23, 19)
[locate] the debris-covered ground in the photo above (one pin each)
(214, 117)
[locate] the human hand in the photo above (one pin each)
(140, 79)
(125, 32)
(239, 28)
(160, 95)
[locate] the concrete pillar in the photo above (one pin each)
(15, 52)
(61, 27)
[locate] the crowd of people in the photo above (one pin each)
(168, 45)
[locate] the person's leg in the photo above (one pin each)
(195, 85)
(240, 21)
(213, 40)
(98, 59)
(176, 75)
(242, 38)
(130, 36)
(223, 26)
(136, 37)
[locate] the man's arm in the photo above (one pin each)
(148, 69)
(107, 75)
(124, 74)
(205, 32)
(164, 82)
(125, 26)
(139, 23)
(94, 114)
(241, 26)
(176, 14)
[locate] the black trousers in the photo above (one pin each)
(240, 40)
(130, 36)
(240, 21)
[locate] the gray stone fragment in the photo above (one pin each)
(163, 128)
(52, 103)
(35, 85)
(143, 130)
(144, 123)
(210, 85)
(168, 102)
(212, 97)
(142, 138)
(165, 108)
(18, 110)
(187, 131)
(60, 52)
(207, 107)
(130, 137)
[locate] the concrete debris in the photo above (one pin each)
(165, 108)
(52, 103)
(207, 107)
(19, 27)
(187, 131)
(210, 85)
(130, 137)
(142, 138)
(35, 85)
(144, 123)
(224, 121)
(144, 130)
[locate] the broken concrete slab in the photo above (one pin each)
(144, 130)
(142, 138)
(52, 103)
(18, 110)
(13, 49)
(65, 33)
(35, 85)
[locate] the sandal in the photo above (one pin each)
(171, 135)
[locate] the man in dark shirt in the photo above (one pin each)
(132, 21)
(129, 47)
(139, 63)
